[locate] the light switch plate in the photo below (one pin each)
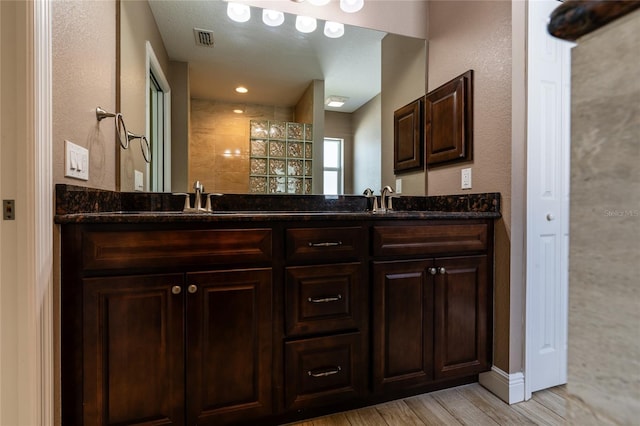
(139, 180)
(76, 161)
(465, 178)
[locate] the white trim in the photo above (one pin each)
(39, 204)
(507, 387)
(153, 64)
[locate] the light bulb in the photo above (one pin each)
(306, 24)
(238, 12)
(333, 29)
(272, 18)
(351, 6)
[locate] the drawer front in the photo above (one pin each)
(322, 244)
(324, 298)
(324, 370)
(428, 239)
(136, 249)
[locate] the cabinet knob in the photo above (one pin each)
(442, 271)
(176, 289)
(192, 288)
(433, 271)
(550, 217)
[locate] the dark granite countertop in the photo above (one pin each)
(575, 18)
(86, 205)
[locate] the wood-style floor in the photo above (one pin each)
(464, 405)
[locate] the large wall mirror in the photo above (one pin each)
(185, 58)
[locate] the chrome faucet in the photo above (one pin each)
(369, 194)
(385, 199)
(198, 189)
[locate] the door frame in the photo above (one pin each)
(31, 281)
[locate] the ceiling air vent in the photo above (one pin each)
(204, 37)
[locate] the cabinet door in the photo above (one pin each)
(133, 350)
(229, 341)
(402, 324)
(463, 313)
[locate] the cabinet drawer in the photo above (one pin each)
(324, 370)
(428, 239)
(324, 298)
(137, 249)
(321, 244)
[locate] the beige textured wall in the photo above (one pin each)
(137, 26)
(477, 35)
(367, 146)
(216, 130)
(404, 74)
(84, 76)
(604, 342)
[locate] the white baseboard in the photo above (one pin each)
(507, 387)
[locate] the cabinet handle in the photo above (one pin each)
(192, 288)
(325, 299)
(327, 244)
(433, 271)
(442, 271)
(176, 289)
(325, 373)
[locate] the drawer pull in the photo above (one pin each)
(325, 373)
(326, 244)
(325, 299)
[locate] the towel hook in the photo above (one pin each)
(144, 145)
(121, 128)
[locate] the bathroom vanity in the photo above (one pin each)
(242, 316)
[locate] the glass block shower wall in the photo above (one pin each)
(280, 157)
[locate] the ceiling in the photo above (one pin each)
(275, 64)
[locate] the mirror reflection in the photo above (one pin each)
(180, 63)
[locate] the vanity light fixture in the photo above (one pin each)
(272, 18)
(335, 101)
(306, 24)
(238, 12)
(241, 89)
(333, 29)
(351, 6)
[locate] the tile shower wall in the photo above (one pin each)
(280, 157)
(219, 143)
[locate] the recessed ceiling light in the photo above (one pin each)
(241, 89)
(238, 111)
(335, 101)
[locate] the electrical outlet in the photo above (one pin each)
(398, 186)
(465, 178)
(139, 180)
(76, 164)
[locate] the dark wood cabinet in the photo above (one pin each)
(448, 121)
(408, 140)
(133, 346)
(463, 312)
(326, 316)
(214, 324)
(402, 324)
(228, 351)
(432, 316)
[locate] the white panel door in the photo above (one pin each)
(548, 65)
